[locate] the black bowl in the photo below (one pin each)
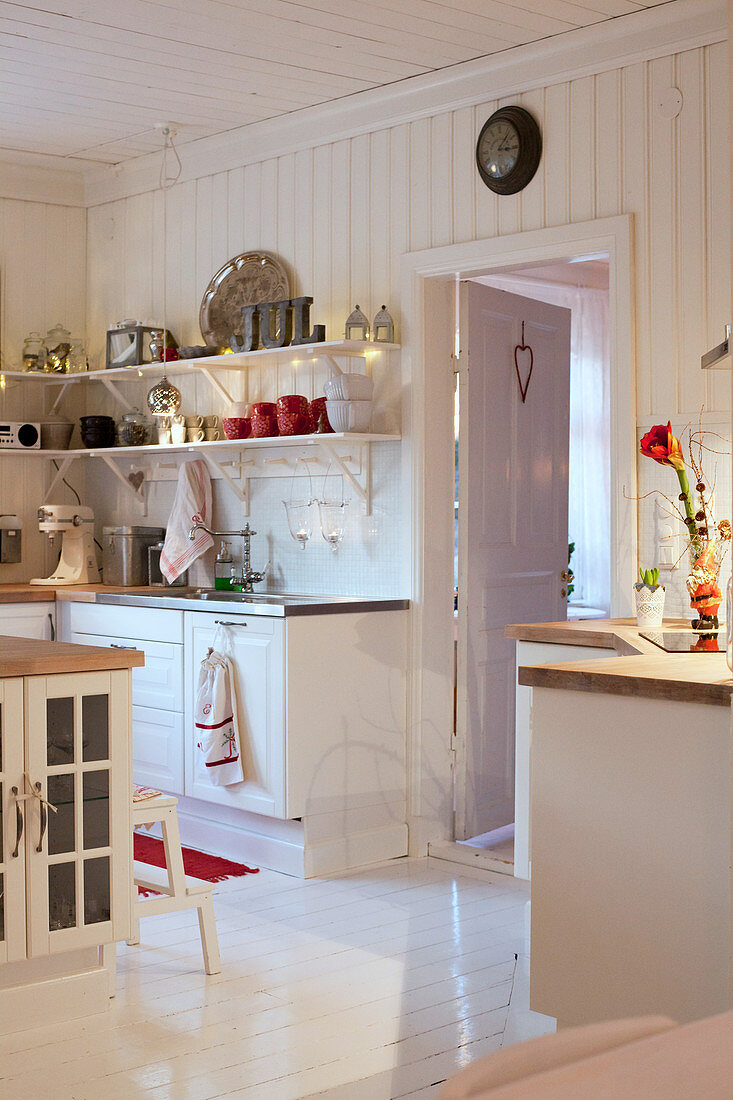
(95, 421)
(98, 437)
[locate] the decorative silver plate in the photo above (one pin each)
(243, 281)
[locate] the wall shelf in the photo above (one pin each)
(348, 452)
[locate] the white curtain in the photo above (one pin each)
(589, 476)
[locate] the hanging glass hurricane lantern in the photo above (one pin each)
(164, 399)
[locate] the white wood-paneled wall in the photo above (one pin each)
(42, 281)
(341, 215)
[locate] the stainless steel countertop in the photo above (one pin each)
(256, 603)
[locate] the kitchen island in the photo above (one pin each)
(631, 835)
(66, 847)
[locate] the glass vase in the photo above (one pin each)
(703, 582)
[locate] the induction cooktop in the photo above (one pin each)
(686, 641)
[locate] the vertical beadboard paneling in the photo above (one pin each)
(635, 189)
(420, 184)
(582, 150)
(378, 215)
(487, 203)
(464, 175)
(556, 154)
(691, 219)
(533, 198)
(609, 144)
(441, 180)
(663, 225)
(718, 209)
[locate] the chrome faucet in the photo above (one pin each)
(248, 576)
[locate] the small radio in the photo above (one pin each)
(19, 435)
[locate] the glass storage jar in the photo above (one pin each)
(34, 352)
(58, 343)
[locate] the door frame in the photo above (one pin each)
(428, 311)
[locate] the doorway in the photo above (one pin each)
(428, 311)
(533, 536)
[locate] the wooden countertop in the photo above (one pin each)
(29, 657)
(645, 669)
(78, 593)
(620, 635)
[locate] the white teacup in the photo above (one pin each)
(164, 433)
(195, 435)
(178, 430)
(239, 409)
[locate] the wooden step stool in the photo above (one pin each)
(178, 891)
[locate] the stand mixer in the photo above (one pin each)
(77, 563)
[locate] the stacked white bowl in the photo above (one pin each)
(349, 402)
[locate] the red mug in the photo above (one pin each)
(292, 415)
(237, 427)
(319, 415)
(264, 419)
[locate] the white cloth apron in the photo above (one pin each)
(216, 726)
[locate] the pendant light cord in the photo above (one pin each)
(166, 180)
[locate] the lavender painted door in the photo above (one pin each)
(513, 525)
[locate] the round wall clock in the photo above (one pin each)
(508, 150)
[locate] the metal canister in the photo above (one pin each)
(155, 575)
(125, 554)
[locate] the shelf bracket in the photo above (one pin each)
(58, 477)
(138, 495)
(116, 393)
(363, 491)
(57, 399)
(240, 491)
(217, 385)
(332, 363)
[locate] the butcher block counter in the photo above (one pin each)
(29, 657)
(631, 825)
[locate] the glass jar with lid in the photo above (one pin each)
(132, 429)
(34, 352)
(58, 343)
(76, 360)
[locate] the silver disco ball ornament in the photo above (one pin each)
(164, 399)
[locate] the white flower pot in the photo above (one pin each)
(649, 606)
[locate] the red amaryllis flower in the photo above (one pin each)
(663, 447)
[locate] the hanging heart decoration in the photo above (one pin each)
(136, 479)
(521, 350)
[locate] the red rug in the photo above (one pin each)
(148, 849)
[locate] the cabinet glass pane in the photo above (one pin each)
(95, 727)
(2, 908)
(96, 809)
(61, 824)
(61, 896)
(60, 731)
(96, 890)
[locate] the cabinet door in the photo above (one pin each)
(78, 854)
(28, 620)
(12, 818)
(257, 653)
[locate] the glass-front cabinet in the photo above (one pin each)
(68, 791)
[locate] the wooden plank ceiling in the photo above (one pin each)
(88, 79)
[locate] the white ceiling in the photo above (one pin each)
(87, 80)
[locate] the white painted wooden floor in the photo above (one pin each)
(371, 985)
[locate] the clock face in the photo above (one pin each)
(498, 149)
(508, 150)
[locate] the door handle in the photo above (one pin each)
(227, 622)
(52, 627)
(114, 645)
(18, 821)
(44, 817)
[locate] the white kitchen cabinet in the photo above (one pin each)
(157, 687)
(65, 874)
(29, 620)
(258, 661)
